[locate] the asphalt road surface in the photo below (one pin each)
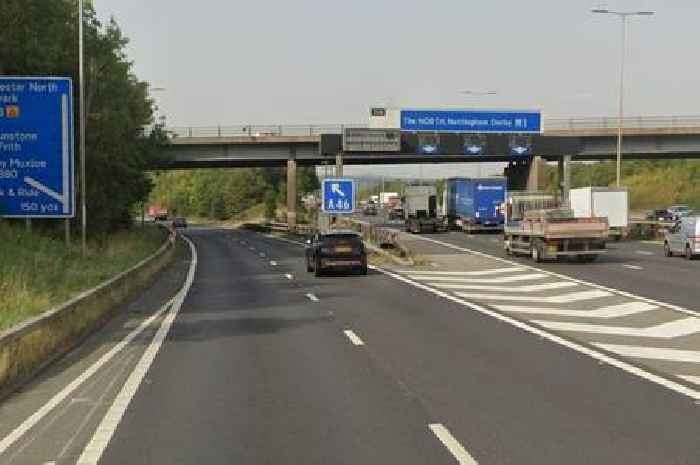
(266, 364)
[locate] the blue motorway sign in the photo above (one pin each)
(338, 196)
(472, 121)
(36, 147)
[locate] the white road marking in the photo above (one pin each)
(456, 449)
(633, 267)
(354, 338)
(273, 263)
(653, 353)
(627, 367)
(644, 252)
(526, 288)
(557, 299)
(283, 239)
(677, 328)
(262, 254)
(465, 273)
(500, 279)
(251, 248)
(312, 297)
(676, 308)
(95, 448)
(611, 311)
(289, 276)
(59, 397)
(692, 379)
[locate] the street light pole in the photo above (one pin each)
(623, 15)
(81, 78)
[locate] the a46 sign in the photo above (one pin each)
(338, 195)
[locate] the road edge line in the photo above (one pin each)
(103, 434)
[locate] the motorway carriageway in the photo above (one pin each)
(259, 362)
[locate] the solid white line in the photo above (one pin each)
(677, 328)
(644, 252)
(59, 397)
(692, 379)
(272, 236)
(499, 280)
(312, 297)
(456, 449)
(562, 276)
(526, 288)
(93, 451)
(289, 276)
(465, 273)
(273, 263)
(633, 267)
(627, 367)
(557, 299)
(653, 353)
(354, 338)
(610, 311)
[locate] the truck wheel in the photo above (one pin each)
(667, 250)
(536, 252)
(688, 253)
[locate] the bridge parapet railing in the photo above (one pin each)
(638, 122)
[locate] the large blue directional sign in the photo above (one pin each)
(472, 121)
(338, 196)
(36, 147)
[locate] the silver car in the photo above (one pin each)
(683, 238)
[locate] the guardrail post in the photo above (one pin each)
(311, 130)
(292, 192)
(279, 130)
(218, 130)
(189, 132)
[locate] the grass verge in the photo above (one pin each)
(38, 272)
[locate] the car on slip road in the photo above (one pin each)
(179, 223)
(683, 238)
(660, 214)
(336, 250)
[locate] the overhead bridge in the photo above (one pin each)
(667, 137)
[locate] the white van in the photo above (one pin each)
(683, 238)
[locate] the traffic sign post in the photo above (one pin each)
(36, 148)
(338, 196)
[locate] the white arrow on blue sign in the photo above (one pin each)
(338, 196)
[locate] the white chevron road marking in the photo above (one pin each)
(557, 299)
(501, 279)
(467, 273)
(610, 311)
(526, 288)
(653, 353)
(692, 379)
(677, 328)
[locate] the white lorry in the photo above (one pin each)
(602, 202)
(420, 209)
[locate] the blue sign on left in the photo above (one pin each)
(36, 147)
(338, 196)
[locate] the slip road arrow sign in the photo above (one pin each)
(338, 196)
(36, 147)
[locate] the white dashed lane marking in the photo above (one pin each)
(633, 267)
(312, 297)
(354, 338)
(289, 276)
(456, 449)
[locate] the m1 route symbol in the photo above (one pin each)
(36, 147)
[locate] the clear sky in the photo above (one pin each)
(327, 61)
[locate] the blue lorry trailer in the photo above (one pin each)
(474, 204)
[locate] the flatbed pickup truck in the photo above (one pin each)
(552, 233)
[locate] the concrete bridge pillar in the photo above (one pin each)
(527, 175)
(564, 168)
(537, 176)
(292, 193)
(339, 165)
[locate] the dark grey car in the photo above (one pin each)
(336, 250)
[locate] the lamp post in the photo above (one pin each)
(81, 78)
(623, 15)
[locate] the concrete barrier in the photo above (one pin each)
(29, 347)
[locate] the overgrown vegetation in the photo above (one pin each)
(38, 271)
(224, 194)
(651, 183)
(40, 38)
